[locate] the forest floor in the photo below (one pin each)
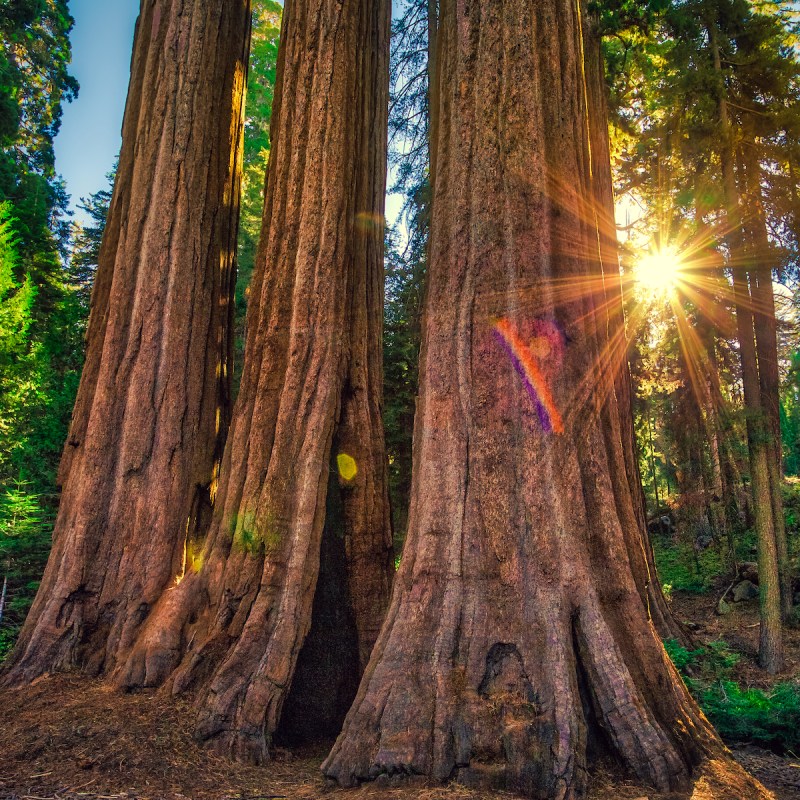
(66, 738)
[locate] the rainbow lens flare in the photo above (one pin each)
(525, 364)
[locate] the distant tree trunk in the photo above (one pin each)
(3, 597)
(139, 469)
(771, 636)
(713, 322)
(771, 631)
(433, 85)
(731, 476)
(517, 629)
(766, 330)
(304, 472)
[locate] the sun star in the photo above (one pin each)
(659, 271)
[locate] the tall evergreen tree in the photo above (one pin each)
(140, 467)
(289, 589)
(87, 240)
(520, 625)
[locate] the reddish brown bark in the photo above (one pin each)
(151, 416)
(517, 629)
(310, 397)
(770, 652)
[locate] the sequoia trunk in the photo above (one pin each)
(305, 458)
(139, 469)
(517, 629)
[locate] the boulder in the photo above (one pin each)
(703, 541)
(723, 608)
(746, 590)
(662, 524)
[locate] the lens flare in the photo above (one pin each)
(659, 272)
(348, 468)
(525, 364)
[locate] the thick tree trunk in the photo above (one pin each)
(140, 466)
(517, 628)
(771, 629)
(310, 397)
(433, 86)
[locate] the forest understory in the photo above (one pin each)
(69, 738)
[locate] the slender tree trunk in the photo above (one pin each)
(771, 635)
(766, 330)
(731, 476)
(140, 467)
(771, 632)
(3, 597)
(517, 628)
(310, 398)
(433, 86)
(653, 463)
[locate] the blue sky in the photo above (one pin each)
(90, 136)
(89, 140)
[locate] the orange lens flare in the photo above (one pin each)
(525, 364)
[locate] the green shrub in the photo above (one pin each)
(713, 662)
(680, 568)
(680, 656)
(770, 719)
(767, 718)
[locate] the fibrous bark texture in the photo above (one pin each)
(518, 629)
(766, 330)
(770, 650)
(308, 412)
(139, 469)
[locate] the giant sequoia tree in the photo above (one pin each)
(302, 493)
(518, 636)
(140, 465)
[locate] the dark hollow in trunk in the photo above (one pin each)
(327, 673)
(520, 573)
(140, 468)
(310, 397)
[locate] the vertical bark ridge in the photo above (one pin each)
(523, 567)
(151, 413)
(234, 629)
